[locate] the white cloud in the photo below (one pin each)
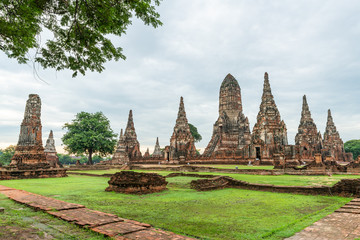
(307, 47)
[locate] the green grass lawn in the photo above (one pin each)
(219, 214)
(288, 180)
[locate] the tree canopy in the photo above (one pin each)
(194, 133)
(6, 155)
(66, 159)
(79, 30)
(89, 133)
(353, 146)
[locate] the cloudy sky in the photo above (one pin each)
(307, 47)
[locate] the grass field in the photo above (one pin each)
(21, 222)
(220, 214)
(287, 180)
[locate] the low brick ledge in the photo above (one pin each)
(343, 188)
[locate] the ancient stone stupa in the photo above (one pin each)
(128, 147)
(120, 156)
(269, 132)
(157, 151)
(29, 151)
(131, 142)
(29, 160)
(147, 153)
(182, 142)
(333, 144)
(50, 152)
(308, 137)
(231, 130)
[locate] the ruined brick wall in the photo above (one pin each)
(136, 183)
(345, 187)
(32, 173)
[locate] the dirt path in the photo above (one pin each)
(343, 224)
(104, 223)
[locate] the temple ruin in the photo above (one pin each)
(232, 142)
(157, 151)
(333, 144)
(181, 142)
(120, 156)
(50, 152)
(147, 153)
(136, 183)
(231, 130)
(128, 147)
(29, 151)
(308, 138)
(269, 134)
(29, 159)
(131, 142)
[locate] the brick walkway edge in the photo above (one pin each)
(343, 224)
(107, 224)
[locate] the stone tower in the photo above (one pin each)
(157, 150)
(29, 151)
(120, 156)
(308, 137)
(333, 144)
(182, 142)
(50, 152)
(147, 153)
(131, 142)
(231, 130)
(269, 131)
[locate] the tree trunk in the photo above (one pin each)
(90, 162)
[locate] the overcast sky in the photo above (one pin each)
(307, 47)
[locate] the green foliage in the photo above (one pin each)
(205, 215)
(6, 155)
(89, 133)
(79, 29)
(194, 133)
(353, 146)
(68, 160)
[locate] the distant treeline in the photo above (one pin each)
(67, 159)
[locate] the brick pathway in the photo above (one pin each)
(343, 224)
(104, 223)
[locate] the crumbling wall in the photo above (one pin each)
(345, 187)
(136, 183)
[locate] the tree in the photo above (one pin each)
(353, 146)
(79, 29)
(65, 159)
(89, 133)
(6, 155)
(194, 133)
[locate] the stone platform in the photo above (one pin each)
(34, 173)
(104, 223)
